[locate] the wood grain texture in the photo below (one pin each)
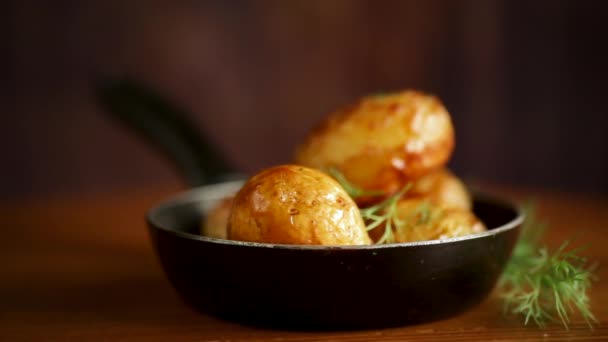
(83, 269)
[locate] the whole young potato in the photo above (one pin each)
(422, 220)
(442, 188)
(216, 221)
(292, 204)
(383, 141)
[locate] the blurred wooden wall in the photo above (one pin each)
(523, 80)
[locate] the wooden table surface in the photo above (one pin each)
(82, 268)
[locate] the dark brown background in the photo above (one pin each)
(524, 81)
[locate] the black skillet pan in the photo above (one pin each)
(308, 287)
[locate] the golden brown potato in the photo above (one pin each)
(383, 141)
(425, 221)
(293, 204)
(216, 221)
(442, 188)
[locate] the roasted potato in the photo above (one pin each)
(293, 204)
(421, 220)
(216, 221)
(442, 188)
(383, 141)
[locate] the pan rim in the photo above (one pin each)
(208, 193)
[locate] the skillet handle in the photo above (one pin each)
(165, 127)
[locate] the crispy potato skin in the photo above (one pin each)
(216, 221)
(442, 222)
(291, 204)
(442, 188)
(382, 142)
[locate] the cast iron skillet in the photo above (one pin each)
(321, 287)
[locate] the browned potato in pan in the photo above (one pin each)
(442, 188)
(421, 220)
(291, 204)
(383, 141)
(216, 221)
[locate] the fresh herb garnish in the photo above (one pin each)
(384, 214)
(543, 286)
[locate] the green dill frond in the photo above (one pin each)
(384, 214)
(542, 286)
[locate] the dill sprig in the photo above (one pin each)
(542, 286)
(384, 214)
